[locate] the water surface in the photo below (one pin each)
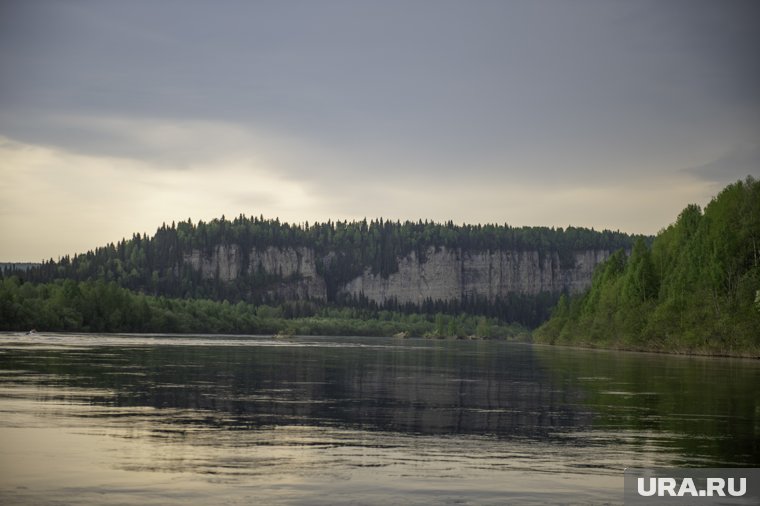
(239, 420)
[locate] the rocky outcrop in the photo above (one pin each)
(443, 274)
(285, 262)
(224, 262)
(295, 268)
(284, 273)
(439, 277)
(456, 275)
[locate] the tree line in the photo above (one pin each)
(695, 289)
(99, 306)
(154, 265)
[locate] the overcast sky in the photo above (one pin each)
(117, 116)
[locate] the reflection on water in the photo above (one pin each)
(708, 407)
(161, 419)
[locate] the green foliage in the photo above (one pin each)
(697, 289)
(160, 265)
(97, 306)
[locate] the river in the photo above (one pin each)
(155, 419)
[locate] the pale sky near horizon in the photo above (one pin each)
(118, 116)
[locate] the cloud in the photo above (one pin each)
(383, 87)
(738, 163)
(161, 141)
(525, 112)
(56, 202)
(639, 205)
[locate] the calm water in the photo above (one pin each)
(242, 420)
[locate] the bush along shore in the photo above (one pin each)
(97, 306)
(695, 290)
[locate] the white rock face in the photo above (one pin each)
(439, 277)
(225, 261)
(295, 266)
(455, 275)
(449, 275)
(285, 262)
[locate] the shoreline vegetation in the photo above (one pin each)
(264, 261)
(684, 352)
(97, 306)
(695, 290)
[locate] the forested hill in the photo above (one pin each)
(508, 272)
(697, 289)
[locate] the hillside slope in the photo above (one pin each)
(515, 274)
(697, 289)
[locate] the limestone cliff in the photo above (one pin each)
(296, 269)
(442, 274)
(224, 262)
(456, 275)
(283, 273)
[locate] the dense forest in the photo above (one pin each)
(695, 290)
(98, 306)
(147, 263)
(156, 265)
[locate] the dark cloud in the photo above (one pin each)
(464, 78)
(736, 164)
(344, 93)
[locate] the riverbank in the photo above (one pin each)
(694, 290)
(68, 306)
(753, 354)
